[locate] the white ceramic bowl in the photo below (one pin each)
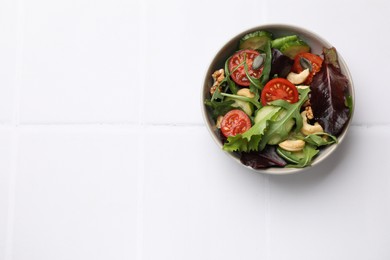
(316, 43)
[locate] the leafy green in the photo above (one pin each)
(277, 128)
(217, 95)
(255, 90)
(268, 127)
(309, 152)
(267, 65)
(254, 82)
(217, 104)
(219, 108)
(249, 141)
(349, 103)
(320, 139)
(303, 158)
(254, 101)
(232, 86)
(299, 159)
(292, 157)
(328, 91)
(258, 84)
(263, 159)
(254, 86)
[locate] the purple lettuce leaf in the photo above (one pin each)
(281, 64)
(329, 89)
(262, 159)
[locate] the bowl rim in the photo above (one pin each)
(300, 30)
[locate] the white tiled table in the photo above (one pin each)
(104, 154)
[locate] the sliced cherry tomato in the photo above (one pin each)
(238, 72)
(279, 88)
(315, 61)
(235, 122)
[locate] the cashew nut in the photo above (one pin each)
(296, 79)
(245, 92)
(292, 145)
(307, 128)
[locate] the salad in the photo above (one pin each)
(275, 103)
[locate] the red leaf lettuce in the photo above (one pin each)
(328, 94)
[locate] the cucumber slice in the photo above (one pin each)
(279, 42)
(291, 49)
(265, 111)
(245, 106)
(255, 40)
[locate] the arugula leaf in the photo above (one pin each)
(219, 108)
(253, 89)
(254, 86)
(349, 104)
(232, 86)
(277, 129)
(267, 65)
(309, 152)
(217, 94)
(253, 81)
(259, 83)
(303, 158)
(242, 98)
(249, 141)
(318, 139)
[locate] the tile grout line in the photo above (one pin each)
(268, 217)
(15, 133)
(142, 126)
(264, 19)
(11, 196)
(19, 125)
(102, 124)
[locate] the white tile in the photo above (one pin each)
(183, 37)
(80, 61)
(357, 31)
(76, 195)
(369, 67)
(339, 209)
(198, 203)
(5, 181)
(8, 54)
